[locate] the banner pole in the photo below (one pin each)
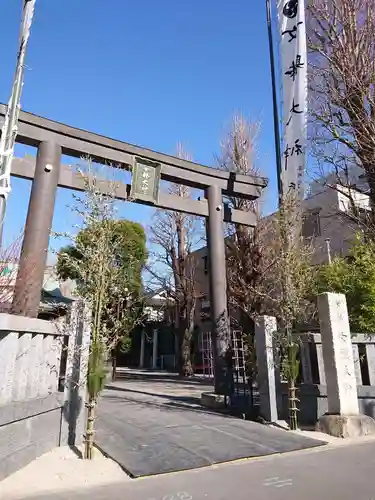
(276, 120)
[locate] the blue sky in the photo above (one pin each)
(153, 73)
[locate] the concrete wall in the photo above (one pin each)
(28, 429)
(334, 224)
(199, 261)
(42, 386)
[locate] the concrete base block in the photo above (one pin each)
(212, 400)
(345, 426)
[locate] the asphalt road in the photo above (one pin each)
(340, 473)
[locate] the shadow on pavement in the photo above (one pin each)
(171, 405)
(149, 376)
(189, 399)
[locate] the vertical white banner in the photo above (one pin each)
(294, 90)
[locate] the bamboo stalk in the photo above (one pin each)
(89, 442)
(293, 410)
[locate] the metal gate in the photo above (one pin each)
(243, 398)
(207, 355)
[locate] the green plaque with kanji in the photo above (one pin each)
(145, 180)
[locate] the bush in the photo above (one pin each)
(354, 276)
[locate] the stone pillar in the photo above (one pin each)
(343, 418)
(218, 290)
(142, 350)
(319, 355)
(74, 412)
(338, 355)
(29, 283)
(265, 328)
(357, 364)
(155, 348)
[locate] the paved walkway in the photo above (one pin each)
(153, 424)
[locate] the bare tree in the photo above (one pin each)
(9, 268)
(175, 236)
(246, 247)
(9, 260)
(341, 42)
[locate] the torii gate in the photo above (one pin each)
(53, 139)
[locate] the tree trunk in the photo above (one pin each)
(371, 183)
(187, 367)
(187, 335)
(89, 443)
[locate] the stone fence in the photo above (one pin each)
(42, 389)
(337, 370)
(312, 363)
(313, 388)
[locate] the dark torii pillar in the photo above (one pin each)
(218, 290)
(29, 283)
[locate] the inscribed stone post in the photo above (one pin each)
(265, 328)
(338, 354)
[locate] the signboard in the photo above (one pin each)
(294, 83)
(145, 180)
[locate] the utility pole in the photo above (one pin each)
(10, 127)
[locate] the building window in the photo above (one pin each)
(311, 224)
(205, 263)
(205, 304)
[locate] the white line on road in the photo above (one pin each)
(276, 482)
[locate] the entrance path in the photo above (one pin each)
(153, 423)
